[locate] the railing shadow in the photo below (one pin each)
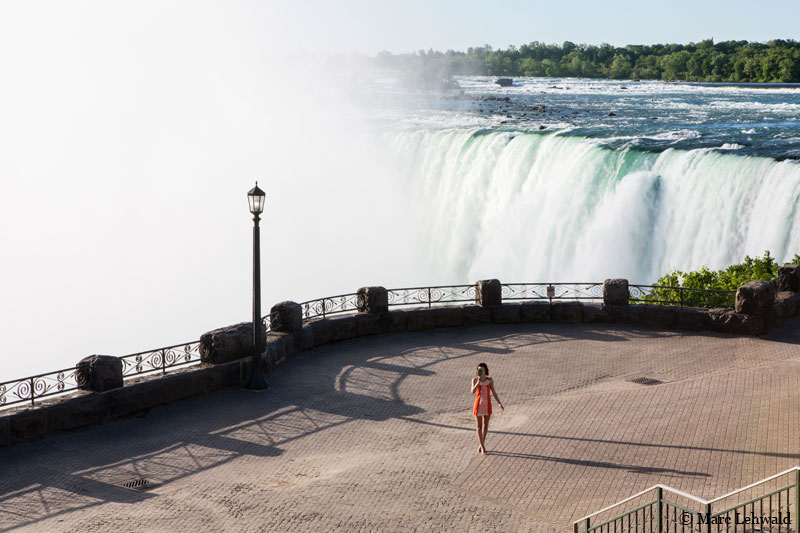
(634, 469)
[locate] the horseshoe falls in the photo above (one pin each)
(525, 206)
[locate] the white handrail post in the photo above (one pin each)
(659, 496)
(797, 500)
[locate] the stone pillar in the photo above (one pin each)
(615, 292)
(230, 343)
(286, 317)
(372, 300)
(790, 278)
(755, 298)
(488, 292)
(99, 373)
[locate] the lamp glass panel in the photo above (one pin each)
(256, 202)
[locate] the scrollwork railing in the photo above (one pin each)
(430, 296)
(160, 360)
(552, 291)
(330, 306)
(41, 386)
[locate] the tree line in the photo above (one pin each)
(777, 61)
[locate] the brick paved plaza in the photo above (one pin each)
(377, 434)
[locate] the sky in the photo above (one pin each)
(130, 132)
(346, 26)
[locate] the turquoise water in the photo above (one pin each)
(653, 116)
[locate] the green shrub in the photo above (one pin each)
(763, 268)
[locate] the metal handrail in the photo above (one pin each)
(640, 293)
(751, 485)
(642, 493)
(707, 503)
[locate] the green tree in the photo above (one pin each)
(728, 279)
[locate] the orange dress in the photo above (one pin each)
(483, 401)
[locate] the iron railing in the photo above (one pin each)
(552, 291)
(330, 305)
(162, 360)
(41, 386)
(682, 296)
(775, 510)
(35, 388)
(430, 296)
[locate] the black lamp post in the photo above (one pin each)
(256, 200)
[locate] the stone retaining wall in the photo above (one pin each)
(226, 351)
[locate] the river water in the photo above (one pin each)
(562, 180)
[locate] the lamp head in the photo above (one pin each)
(255, 198)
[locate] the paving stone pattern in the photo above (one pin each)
(377, 434)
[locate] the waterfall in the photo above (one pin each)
(554, 207)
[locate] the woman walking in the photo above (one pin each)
(482, 409)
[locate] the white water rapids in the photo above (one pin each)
(549, 207)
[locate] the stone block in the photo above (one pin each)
(26, 425)
(691, 319)
(755, 298)
(789, 279)
(567, 312)
(321, 331)
(475, 314)
(229, 343)
(535, 312)
(659, 316)
(101, 372)
(369, 324)
(344, 327)
(615, 292)
(507, 314)
(776, 315)
(790, 301)
(396, 320)
(223, 376)
(448, 317)
(84, 410)
(286, 317)
(5, 437)
(729, 321)
(722, 320)
(306, 338)
(182, 385)
(626, 314)
(488, 292)
(593, 313)
(372, 300)
(280, 345)
(120, 402)
(750, 325)
(420, 319)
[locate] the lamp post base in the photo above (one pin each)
(256, 381)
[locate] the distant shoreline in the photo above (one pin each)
(774, 62)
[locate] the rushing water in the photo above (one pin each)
(554, 179)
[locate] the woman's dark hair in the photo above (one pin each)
(485, 368)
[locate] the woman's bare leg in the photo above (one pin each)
(479, 431)
(484, 431)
